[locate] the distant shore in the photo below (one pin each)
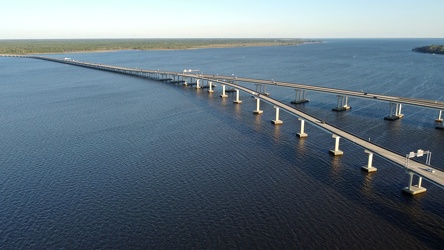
(432, 49)
(22, 47)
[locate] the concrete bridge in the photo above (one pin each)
(412, 168)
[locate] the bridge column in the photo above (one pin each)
(277, 121)
(300, 97)
(237, 97)
(414, 189)
(258, 110)
(168, 78)
(439, 119)
(302, 134)
(198, 84)
(210, 90)
(336, 150)
(369, 168)
(258, 88)
(262, 89)
(342, 103)
(223, 92)
(395, 112)
(265, 90)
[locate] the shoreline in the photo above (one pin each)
(163, 49)
(30, 47)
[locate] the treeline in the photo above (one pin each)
(89, 45)
(432, 49)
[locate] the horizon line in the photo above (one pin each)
(199, 38)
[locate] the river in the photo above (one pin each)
(93, 159)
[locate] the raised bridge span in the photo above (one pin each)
(412, 168)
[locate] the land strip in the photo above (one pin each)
(432, 49)
(21, 47)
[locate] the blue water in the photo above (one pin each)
(92, 159)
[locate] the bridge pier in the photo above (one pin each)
(342, 103)
(165, 78)
(300, 97)
(258, 110)
(302, 134)
(223, 92)
(237, 101)
(336, 150)
(439, 119)
(210, 90)
(414, 189)
(395, 112)
(197, 84)
(369, 168)
(277, 121)
(262, 88)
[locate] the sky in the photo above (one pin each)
(63, 19)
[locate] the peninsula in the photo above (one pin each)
(21, 47)
(432, 49)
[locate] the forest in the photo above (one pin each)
(20, 47)
(432, 49)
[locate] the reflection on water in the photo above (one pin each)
(277, 133)
(300, 142)
(367, 187)
(258, 122)
(238, 111)
(336, 166)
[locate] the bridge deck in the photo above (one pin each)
(404, 100)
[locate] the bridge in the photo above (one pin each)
(343, 96)
(412, 168)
